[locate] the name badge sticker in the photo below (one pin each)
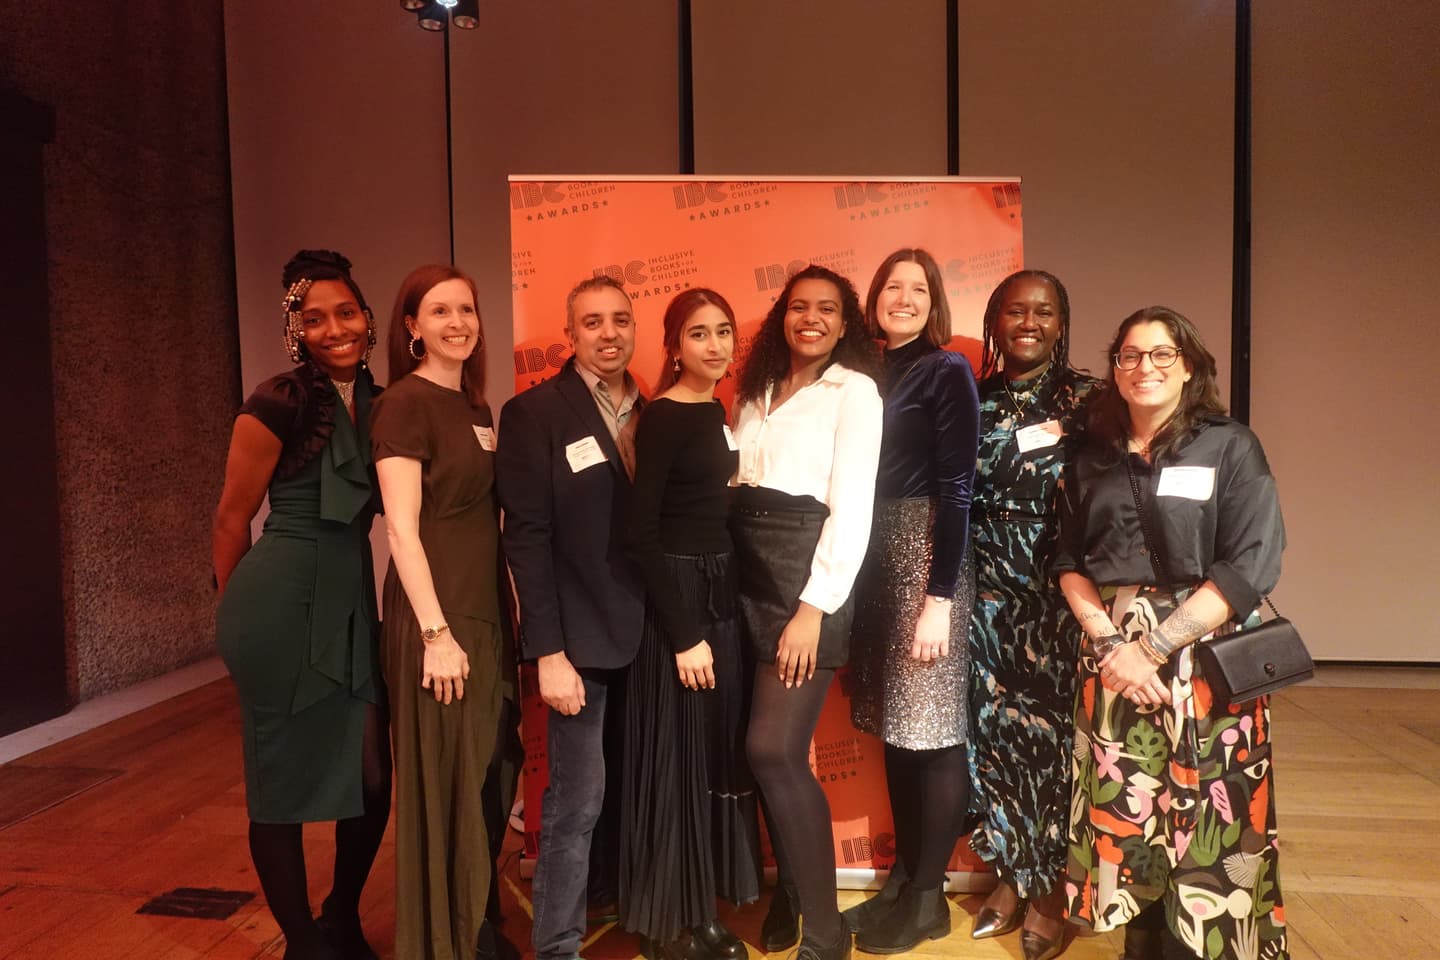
(583, 454)
(1191, 483)
(730, 438)
(1039, 435)
(486, 436)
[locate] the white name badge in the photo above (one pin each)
(729, 438)
(486, 436)
(583, 454)
(1192, 483)
(1039, 435)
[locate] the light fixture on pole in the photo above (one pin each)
(466, 14)
(436, 15)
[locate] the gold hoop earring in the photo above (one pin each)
(413, 341)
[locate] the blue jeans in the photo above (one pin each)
(570, 809)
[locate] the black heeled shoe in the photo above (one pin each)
(993, 923)
(343, 932)
(719, 941)
(917, 915)
(864, 915)
(781, 926)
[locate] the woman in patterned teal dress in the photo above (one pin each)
(1022, 637)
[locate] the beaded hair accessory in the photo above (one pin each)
(294, 326)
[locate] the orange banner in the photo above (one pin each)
(745, 238)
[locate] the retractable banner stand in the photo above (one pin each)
(745, 238)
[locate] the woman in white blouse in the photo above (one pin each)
(808, 428)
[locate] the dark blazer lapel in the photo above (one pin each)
(572, 387)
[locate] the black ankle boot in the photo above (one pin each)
(718, 941)
(862, 916)
(342, 930)
(839, 950)
(917, 915)
(781, 926)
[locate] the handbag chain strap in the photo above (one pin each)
(1150, 539)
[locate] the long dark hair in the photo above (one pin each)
(769, 358)
(1059, 355)
(1109, 420)
(407, 304)
(937, 325)
(676, 314)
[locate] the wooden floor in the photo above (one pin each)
(154, 801)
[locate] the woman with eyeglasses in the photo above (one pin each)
(1022, 638)
(1170, 531)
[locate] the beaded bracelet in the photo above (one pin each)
(1147, 648)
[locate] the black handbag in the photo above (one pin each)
(1248, 662)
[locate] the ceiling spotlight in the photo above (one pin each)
(412, 5)
(448, 3)
(466, 14)
(432, 16)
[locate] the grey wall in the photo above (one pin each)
(142, 329)
(1119, 116)
(1345, 392)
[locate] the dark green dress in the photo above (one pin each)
(442, 855)
(297, 625)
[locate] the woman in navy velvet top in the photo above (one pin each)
(914, 598)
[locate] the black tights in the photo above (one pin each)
(278, 849)
(782, 723)
(929, 795)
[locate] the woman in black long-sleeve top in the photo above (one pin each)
(1172, 829)
(914, 598)
(688, 823)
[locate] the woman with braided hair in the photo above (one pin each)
(297, 624)
(1023, 651)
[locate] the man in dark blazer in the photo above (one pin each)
(563, 466)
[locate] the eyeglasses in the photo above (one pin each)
(1160, 357)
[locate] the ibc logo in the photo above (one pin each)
(694, 194)
(632, 273)
(854, 194)
(524, 195)
(534, 360)
(772, 276)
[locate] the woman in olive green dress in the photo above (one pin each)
(296, 623)
(434, 444)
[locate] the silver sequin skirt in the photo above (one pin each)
(907, 703)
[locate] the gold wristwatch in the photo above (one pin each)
(431, 634)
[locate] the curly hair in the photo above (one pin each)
(990, 351)
(1108, 423)
(768, 361)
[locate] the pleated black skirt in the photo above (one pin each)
(688, 827)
